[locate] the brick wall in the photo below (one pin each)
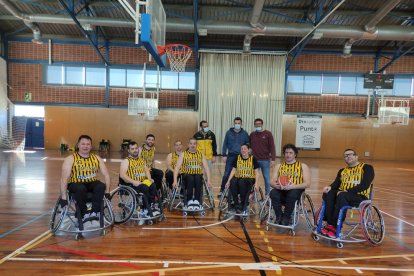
(27, 77)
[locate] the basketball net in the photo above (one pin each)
(178, 55)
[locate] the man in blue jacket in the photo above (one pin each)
(235, 137)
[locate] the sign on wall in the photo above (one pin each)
(308, 132)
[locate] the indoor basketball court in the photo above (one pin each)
(324, 75)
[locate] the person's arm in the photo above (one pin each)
(306, 179)
(272, 149)
(105, 173)
(168, 161)
(224, 147)
(123, 173)
(232, 173)
(66, 170)
(214, 147)
(177, 169)
(335, 185)
(148, 174)
(206, 170)
(366, 180)
(275, 181)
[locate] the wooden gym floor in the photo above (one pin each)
(29, 187)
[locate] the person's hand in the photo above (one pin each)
(272, 164)
(174, 184)
(278, 186)
(209, 183)
(339, 192)
(224, 158)
(256, 187)
(213, 160)
(326, 189)
(137, 183)
(108, 196)
(63, 202)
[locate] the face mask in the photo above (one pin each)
(237, 126)
(258, 128)
(205, 129)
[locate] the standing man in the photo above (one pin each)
(299, 177)
(206, 143)
(147, 151)
(79, 176)
(263, 147)
(352, 185)
(235, 137)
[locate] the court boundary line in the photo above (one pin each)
(397, 218)
(24, 224)
(249, 266)
(188, 228)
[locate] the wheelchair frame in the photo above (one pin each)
(176, 201)
(128, 202)
(73, 215)
(369, 218)
(303, 206)
(254, 205)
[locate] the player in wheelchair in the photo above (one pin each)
(137, 188)
(351, 190)
(81, 193)
(190, 165)
(240, 184)
(291, 179)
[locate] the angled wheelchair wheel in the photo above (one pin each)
(123, 203)
(209, 195)
(264, 210)
(57, 217)
(308, 210)
(108, 214)
(372, 224)
(224, 204)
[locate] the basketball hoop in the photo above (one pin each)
(178, 55)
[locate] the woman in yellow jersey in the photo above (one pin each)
(192, 162)
(135, 174)
(79, 176)
(242, 178)
(172, 161)
(299, 179)
(351, 186)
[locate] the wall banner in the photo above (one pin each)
(308, 132)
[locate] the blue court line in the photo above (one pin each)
(24, 224)
(400, 242)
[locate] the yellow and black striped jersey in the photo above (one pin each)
(84, 169)
(351, 177)
(293, 171)
(148, 155)
(136, 169)
(245, 167)
(192, 163)
(174, 159)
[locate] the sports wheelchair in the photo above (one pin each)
(303, 208)
(69, 219)
(129, 205)
(252, 206)
(178, 199)
(370, 222)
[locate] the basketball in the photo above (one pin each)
(284, 180)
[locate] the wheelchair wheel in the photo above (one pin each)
(264, 210)
(108, 215)
(372, 224)
(209, 195)
(57, 217)
(123, 203)
(308, 210)
(224, 204)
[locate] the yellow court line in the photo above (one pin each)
(161, 270)
(349, 258)
(42, 237)
(270, 249)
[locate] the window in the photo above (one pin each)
(37, 111)
(402, 86)
(95, 76)
(186, 80)
(360, 90)
(54, 75)
(134, 78)
(347, 85)
(117, 77)
(75, 75)
(330, 84)
(169, 80)
(151, 79)
(313, 84)
(295, 84)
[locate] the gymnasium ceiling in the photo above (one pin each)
(355, 26)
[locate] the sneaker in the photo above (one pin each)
(329, 231)
(155, 213)
(86, 217)
(95, 224)
(94, 216)
(141, 222)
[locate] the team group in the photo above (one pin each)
(243, 155)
